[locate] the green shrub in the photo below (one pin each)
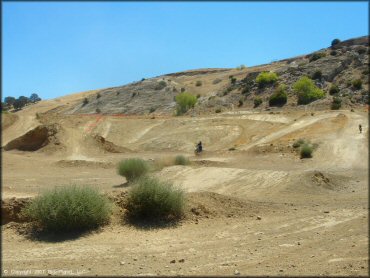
(335, 42)
(333, 53)
(218, 110)
(232, 79)
(182, 90)
(306, 151)
(279, 97)
(334, 89)
(316, 56)
(357, 84)
(152, 199)
(132, 168)
(257, 102)
(69, 208)
(181, 160)
(307, 90)
(216, 81)
(161, 84)
(266, 78)
(336, 104)
(85, 101)
(240, 104)
(298, 143)
(98, 95)
(317, 75)
(185, 101)
(198, 95)
(198, 83)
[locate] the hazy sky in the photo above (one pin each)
(59, 48)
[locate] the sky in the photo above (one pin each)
(59, 48)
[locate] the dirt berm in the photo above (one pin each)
(37, 138)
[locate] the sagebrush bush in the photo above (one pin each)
(198, 83)
(306, 150)
(257, 101)
(266, 78)
(240, 103)
(85, 101)
(336, 103)
(357, 84)
(132, 168)
(279, 97)
(307, 90)
(334, 89)
(185, 101)
(161, 84)
(152, 199)
(70, 208)
(298, 143)
(317, 55)
(181, 160)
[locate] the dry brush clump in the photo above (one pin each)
(151, 199)
(132, 168)
(304, 147)
(181, 160)
(69, 208)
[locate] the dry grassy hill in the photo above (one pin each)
(340, 64)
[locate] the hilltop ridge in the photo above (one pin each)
(340, 64)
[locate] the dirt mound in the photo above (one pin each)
(84, 163)
(108, 146)
(202, 205)
(7, 120)
(11, 210)
(36, 139)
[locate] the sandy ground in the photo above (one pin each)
(273, 214)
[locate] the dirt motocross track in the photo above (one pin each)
(255, 210)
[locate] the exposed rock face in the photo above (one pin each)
(339, 64)
(36, 138)
(11, 210)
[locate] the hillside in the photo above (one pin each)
(339, 65)
(253, 205)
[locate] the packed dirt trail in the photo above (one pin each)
(254, 207)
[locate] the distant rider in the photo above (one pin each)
(199, 147)
(360, 128)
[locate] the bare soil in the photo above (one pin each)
(254, 207)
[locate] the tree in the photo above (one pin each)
(9, 100)
(34, 98)
(4, 106)
(20, 102)
(335, 42)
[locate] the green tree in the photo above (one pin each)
(34, 98)
(10, 100)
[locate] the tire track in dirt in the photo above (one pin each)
(300, 124)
